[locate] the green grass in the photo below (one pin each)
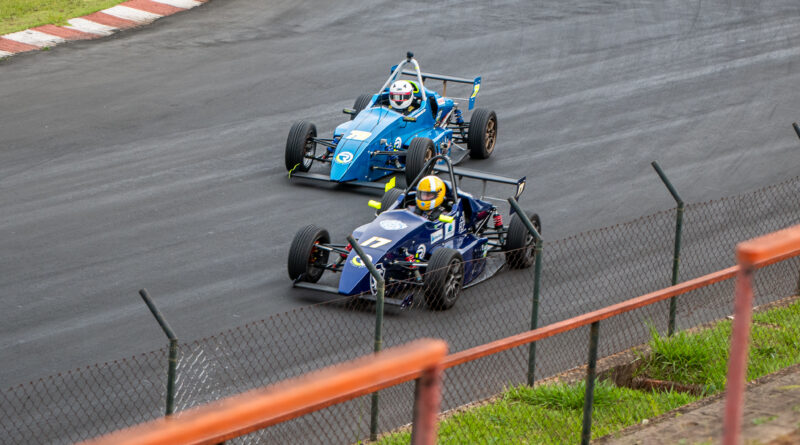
(550, 414)
(701, 358)
(16, 15)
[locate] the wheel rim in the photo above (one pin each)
(315, 257)
(491, 135)
(309, 150)
(428, 154)
(530, 242)
(453, 280)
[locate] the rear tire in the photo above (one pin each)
(300, 146)
(482, 133)
(304, 257)
(520, 243)
(418, 153)
(361, 102)
(444, 278)
(388, 200)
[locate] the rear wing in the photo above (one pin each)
(485, 177)
(476, 83)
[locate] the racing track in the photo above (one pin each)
(155, 158)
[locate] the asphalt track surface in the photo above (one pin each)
(154, 158)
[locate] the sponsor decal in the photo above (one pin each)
(449, 230)
(485, 249)
(358, 135)
(398, 143)
(392, 224)
(436, 236)
(440, 101)
(344, 157)
(421, 251)
(475, 90)
(461, 227)
(373, 285)
(356, 261)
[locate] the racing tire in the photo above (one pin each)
(300, 145)
(389, 198)
(418, 153)
(482, 133)
(520, 243)
(361, 102)
(444, 279)
(304, 257)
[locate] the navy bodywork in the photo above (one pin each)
(409, 234)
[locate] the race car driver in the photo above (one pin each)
(430, 197)
(402, 96)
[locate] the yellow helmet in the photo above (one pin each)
(430, 193)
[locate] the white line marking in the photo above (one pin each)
(5, 54)
(84, 25)
(137, 15)
(35, 38)
(185, 4)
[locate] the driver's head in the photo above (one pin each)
(401, 94)
(430, 193)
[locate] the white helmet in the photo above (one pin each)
(401, 93)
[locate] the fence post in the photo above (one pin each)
(380, 290)
(677, 255)
(427, 400)
(536, 282)
(591, 375)
(737, 361)
(173, 350)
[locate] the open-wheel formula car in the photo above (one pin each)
(433, 258)
(394, 131)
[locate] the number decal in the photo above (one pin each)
(376, 242)
(358, 135)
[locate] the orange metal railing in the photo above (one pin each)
(257, 409)
(751, 255)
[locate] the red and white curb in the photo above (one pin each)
(98, 24)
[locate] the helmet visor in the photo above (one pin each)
(427, 196)
(400, 97)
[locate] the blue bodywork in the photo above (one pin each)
(398, 233)
(379, 128)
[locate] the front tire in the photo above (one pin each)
(388, 200)
(482, 133)
(418, 153)
(300, 146)
(361, 102)
(444, 279)
(520, 243)
(305, 258)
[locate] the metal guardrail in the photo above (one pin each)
(751, 255)
(258, 409)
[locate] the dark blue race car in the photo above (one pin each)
(433, 258)
(381, 138)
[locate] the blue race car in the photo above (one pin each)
(414, 253)
(396, 130)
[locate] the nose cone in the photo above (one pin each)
(348, 164)
(355, 275)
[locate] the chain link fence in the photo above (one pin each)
(580, 273)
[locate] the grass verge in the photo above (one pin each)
(17, 15)
(552, 414)
(701, 358)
